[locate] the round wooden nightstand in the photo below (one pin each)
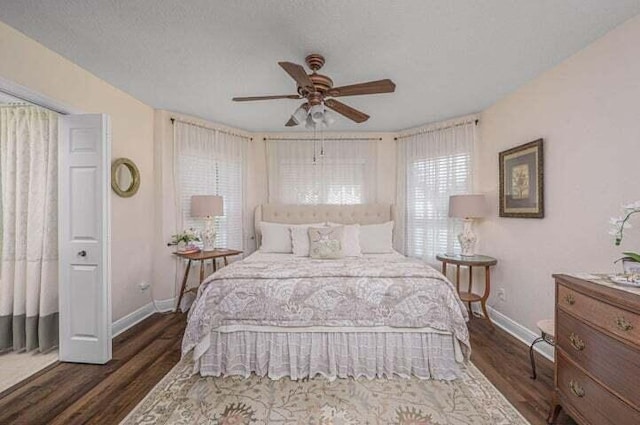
(471, 262)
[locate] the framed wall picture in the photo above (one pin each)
(522, 181)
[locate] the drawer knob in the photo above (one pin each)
(576, 389)
(623, 324)
(570, 299)
(576, 342)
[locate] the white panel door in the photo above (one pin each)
(84, 209)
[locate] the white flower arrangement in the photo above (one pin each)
(619, 224)
(186, 237)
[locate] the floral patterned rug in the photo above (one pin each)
(183, 398)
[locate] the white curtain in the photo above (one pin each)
(344, 171)
(29, 276)
(211, 162)
(433, 164)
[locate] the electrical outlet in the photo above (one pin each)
(502, 294)
(143, 286)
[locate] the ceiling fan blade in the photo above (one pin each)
(347, 111)
(284, 96)
(298, 73)
(371, 87)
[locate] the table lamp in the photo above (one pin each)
(467, 207)
(208, 207)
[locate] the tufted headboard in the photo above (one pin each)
(300, 214)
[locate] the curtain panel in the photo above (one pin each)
(344, 171)
(211, 162)
(432, 165)
(29, 272)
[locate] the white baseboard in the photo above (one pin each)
(518, 331)
(163, 306)
(132, 319)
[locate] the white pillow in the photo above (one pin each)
(300, 240)
(351, 242)
(276, 237)
(376, 238)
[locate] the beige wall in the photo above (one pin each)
(586, 109)
(27, 63)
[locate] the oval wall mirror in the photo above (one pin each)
(125, 177)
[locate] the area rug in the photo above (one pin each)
(183, 398)
(16, 367)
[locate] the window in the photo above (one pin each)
(432, 181)
(434, 165)
(345, 174)
(210, 162)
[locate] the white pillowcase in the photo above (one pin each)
(351, 242)
(276, 237)
(300, 240)
(376, 238)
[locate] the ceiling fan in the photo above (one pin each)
(318, 91)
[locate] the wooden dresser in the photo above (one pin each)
(597, 369)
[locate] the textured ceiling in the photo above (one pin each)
(448, 58)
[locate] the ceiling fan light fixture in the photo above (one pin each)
(317, 113)
(299, 115)
(310, 124)
(328, 118)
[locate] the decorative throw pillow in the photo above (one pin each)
(376, 238)
(326, 242)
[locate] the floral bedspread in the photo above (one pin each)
(349, 292)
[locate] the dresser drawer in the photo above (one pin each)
(622, 323)
(590, 399)
(615, 364)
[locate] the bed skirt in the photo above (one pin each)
(426, 355)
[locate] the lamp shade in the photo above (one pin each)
(310, 124)
(317, 113)
(206, 206)
(299, 115)
(329, 118)
(467, 206)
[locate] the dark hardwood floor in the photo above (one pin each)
(505, 361)
(65, 393)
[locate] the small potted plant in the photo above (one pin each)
(631, 260)
(184, 241)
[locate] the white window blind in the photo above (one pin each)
(210, 162)
(345, 174)
(435, 165)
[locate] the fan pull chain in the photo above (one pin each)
(314, 143)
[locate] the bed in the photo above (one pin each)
(277, 315)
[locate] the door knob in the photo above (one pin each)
(82, 253)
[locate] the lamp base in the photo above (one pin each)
(467, 239)
(208, 235)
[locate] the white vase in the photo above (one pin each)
(208, 235)
(467, 239)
